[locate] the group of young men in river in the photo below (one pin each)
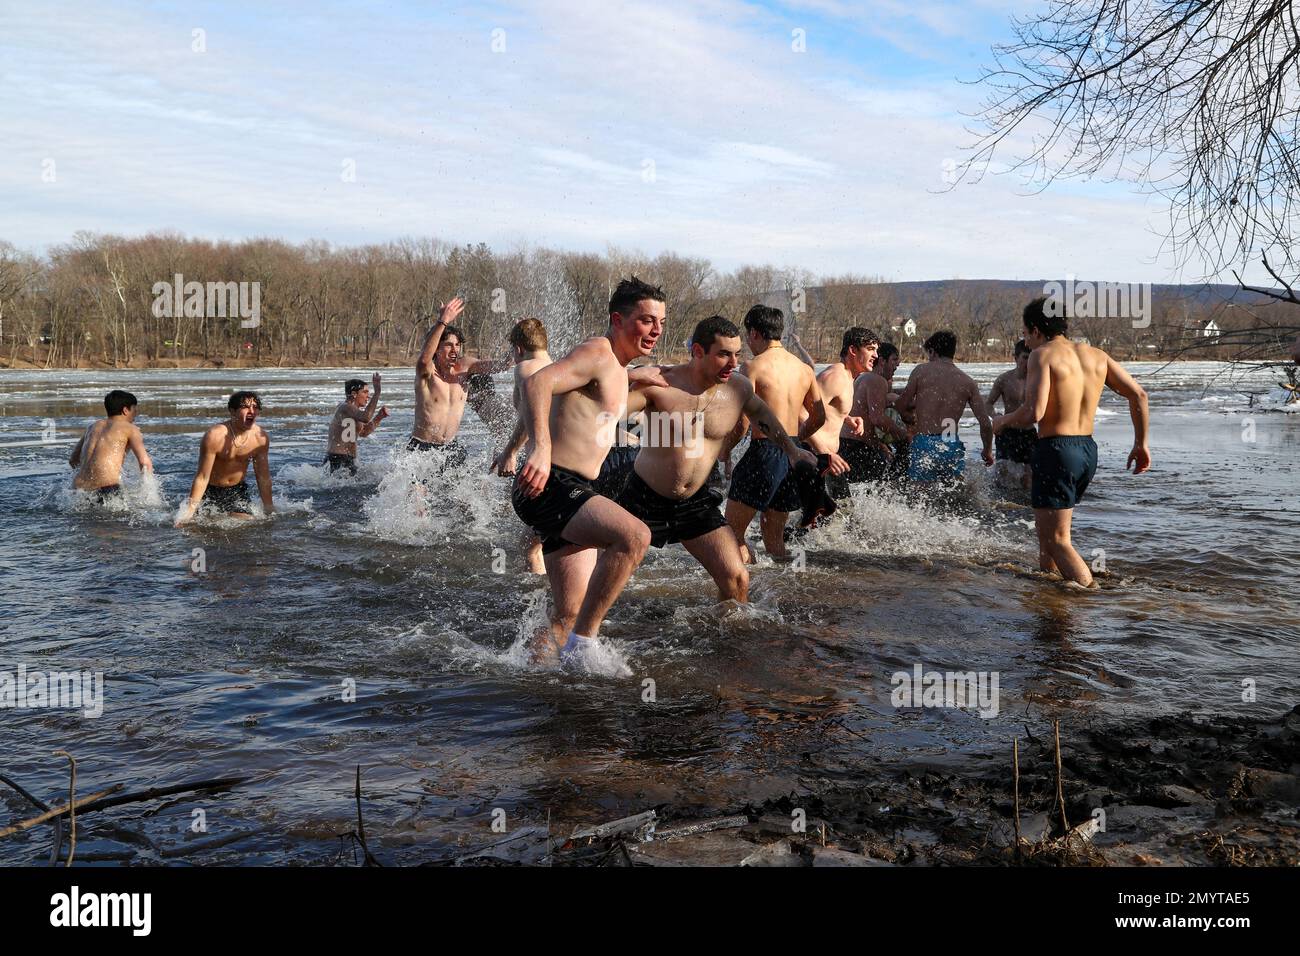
(619, 458)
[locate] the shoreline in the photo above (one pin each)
(22, 365)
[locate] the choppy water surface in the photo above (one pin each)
(241, 668)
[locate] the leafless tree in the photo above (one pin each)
(1196, 100)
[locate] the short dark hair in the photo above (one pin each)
(713, 327)
(1038, 318)
(857, 337)
(886, 351)
(1022, 347)
(631, 291)
(452, 330)
(353, 385)
(766, 320)
(237, 400)
(942, 344)
(118, 401)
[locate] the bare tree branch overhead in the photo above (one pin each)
(1196, 101)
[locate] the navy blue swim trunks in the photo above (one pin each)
(1062, 468)
(761, 479)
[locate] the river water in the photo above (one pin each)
(232, 648)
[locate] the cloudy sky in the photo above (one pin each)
(696, 127)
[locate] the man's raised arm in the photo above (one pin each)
(1120, 381)
(446, 315)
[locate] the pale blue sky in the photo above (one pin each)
(832, 159)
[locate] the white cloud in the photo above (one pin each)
(760, 154)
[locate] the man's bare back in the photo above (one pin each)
(785, 383)
(1075, 375)
(938, 393)
(102, 450)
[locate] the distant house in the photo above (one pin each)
(1211, 330)
(992, 342)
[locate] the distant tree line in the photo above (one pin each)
(163, 299)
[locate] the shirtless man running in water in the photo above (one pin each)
(881, 454)
(1014, 446)
(590, 545)
(763, 480)
(440, 387)
(689, 419)
(354, 419)
(99, 455)
(224, 454)
(938, 392)
(857, 354)
(529, 341)
(1062, 390)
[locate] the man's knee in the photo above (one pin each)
(636, 541)
(734, 584)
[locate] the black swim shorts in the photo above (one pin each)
(454, 453)
(1062, 468)
(107, 493)
(341, 461)
(232, 500)
(1016, 444)
(672, 520)
(550, 512)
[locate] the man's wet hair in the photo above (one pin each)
(118, 401)
(529, 335)
(713, 327)
(452, 330)
(768, 321)
(886, 351)
(1049, 326)
(942, 344)
(353, 385)
(1022, 348)
(857, 337)
(630, 291)
(238, 399)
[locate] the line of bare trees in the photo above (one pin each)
(95, 302)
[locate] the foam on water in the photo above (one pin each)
(141, 498)
(419, 500)
(881, 521)
(443, 647)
